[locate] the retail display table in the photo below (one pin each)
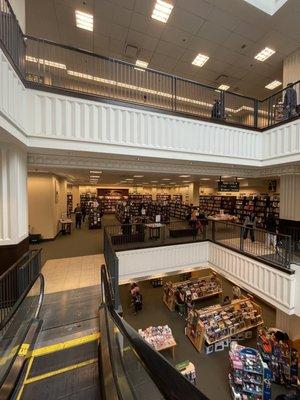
(66, 224)
(159, 337)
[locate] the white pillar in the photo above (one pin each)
(13, 195)
(18, 7)
(289, 324)
(194, 193)
(291, 68)
(289, 197)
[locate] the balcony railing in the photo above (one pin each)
(47, 65)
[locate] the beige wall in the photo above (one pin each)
(46, 203)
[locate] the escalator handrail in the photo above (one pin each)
(171, 383)
(15, 307)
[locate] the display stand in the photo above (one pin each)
(159, 337)
(187, 369)
(280, 356)
(249, 376)
(95, 219)
(217, 325)
(69, 204)
(198, 288)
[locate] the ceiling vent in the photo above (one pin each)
(131, 51)
(221, 77)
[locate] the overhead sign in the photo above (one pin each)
(228, 186)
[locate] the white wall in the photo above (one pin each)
(275, 287)
(291, 68)
(19, 9)
(46, 203)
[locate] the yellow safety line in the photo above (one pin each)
(25, 377)
(64, 345)
(60, 371)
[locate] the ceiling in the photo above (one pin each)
(230, 32)
(78, 176)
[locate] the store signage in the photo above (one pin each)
(113, 192)
(228, 186)
(272, 186)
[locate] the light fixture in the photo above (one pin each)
(94, 176)
(153, 181)
(200, 60)
(241, 179)
(186, 181)
(223, 87)
(84, 20)
(273, 85)
(227, 176)
(264, 54)
(141, 64)
(172, 183)
(138, 176)
(128, 179)
(46, 62)
(166, 179)
(161, 11)
(204, 179)
(184, 176)
(95, 172)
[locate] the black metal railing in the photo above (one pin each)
(45, 64)
(272, 248)
(129, 366)
(11, 36)
(15, 281)
(112, 263)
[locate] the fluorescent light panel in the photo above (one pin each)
(141, 64)
(264, 54)
(46, 62)
(95, 172)
(138, 176)
(184, 176)
(273, 85)
(200, 60)
(162, 11)
(223, 87)
(84, 20)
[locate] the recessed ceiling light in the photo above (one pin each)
(223, 87)
(200, 60)
(166, 179)
(186, 181)
(184, 176)
(84, 20)
(154, 181)
(138, 176)
(204, 179)
(227, 176)
(129, 179)
(241, 179)
(141, 64)
(162, 11)
(95, 172)
(273, 85)
(264, 54)
(94, 176)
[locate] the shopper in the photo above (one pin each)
(226, 301)
(249, 225)
(134, 289)
(78, 216)
(126, 228)
(236, 291)
(271, 228)
(193, 224)
(216, 111)
(138, 302)
(180, 301)
(290, 101)
(83, 212)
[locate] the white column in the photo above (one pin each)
(291, 68)
(289, 197)
(13, 195)
(18, 7)
(194, 193)
(289, 324)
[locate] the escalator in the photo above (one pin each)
(72, 360)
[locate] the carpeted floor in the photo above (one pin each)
(212, 370)
(81, 242)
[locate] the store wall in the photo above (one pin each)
(18, 7)
(46, 201)
(291, 68)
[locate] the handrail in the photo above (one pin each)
(15, 307)
(171, 383)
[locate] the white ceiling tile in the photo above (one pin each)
(170, 49)
(185, 21)
(144, 7)
(201, 8)
(239, 43)
(201, 45)
(141, 40)
(177, 36)
(250, 31)
(224, 19)
(213, 32)
(122, 16)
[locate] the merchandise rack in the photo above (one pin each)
(69, 204)
(280, 356)
(218, 323)
(249, 376)
(199, 288)
(179, 210)
(95, 219)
